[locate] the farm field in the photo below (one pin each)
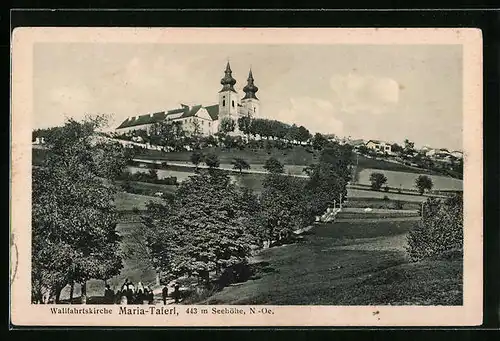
(407, 179)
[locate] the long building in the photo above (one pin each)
(204, 119)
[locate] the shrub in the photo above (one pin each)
(423, 182)
(377, 180)
(439, 232)
(398, 205)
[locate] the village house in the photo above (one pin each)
(379, 146)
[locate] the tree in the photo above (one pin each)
(196, 158)
(328, 178)
(200, 230)
(284, 208)
(244, 124)
(377, 180)
(396, 148)
(423, 183)
(293, 133)
(272, 165)
(212, 161)
(74, 220)
(227, 125)
(440, 231)
(409, 146)
(319, 141)
(166, 133)
(240, 164)
(303, 134)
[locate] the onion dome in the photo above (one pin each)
(250, 89)
(228, 81)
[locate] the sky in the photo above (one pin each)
(386, 92)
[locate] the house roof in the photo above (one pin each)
(190, 112)
(185, 111)
(377, 142)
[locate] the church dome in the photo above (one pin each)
(250, 89)
(228, 81)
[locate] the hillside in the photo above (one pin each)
(297, 155)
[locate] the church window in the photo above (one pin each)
(224, 103)
(233, 104)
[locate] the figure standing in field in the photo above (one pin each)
(150, 296)
(164, 294)
(145, 297)
(109, 295)
(123, 298)
(177, 293)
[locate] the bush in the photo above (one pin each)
(377, 180)
(439, 232)
(398, 205)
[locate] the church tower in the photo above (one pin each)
(250, 102)
(228, 97)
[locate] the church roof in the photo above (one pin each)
(213, 111)
(185, 111)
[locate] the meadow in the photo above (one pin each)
(347, 264)
(406, 180)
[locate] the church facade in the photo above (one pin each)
(204, 119)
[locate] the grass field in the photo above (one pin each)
(366, 162)
(348, 264)
(298, 155)
(381, 203)
(407, 179)
(127, 201)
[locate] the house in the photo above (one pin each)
(379, 146)
(438, 153)
(203, 120)
(458, 154)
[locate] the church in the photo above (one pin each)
(204, 119)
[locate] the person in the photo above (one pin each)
(164, 294)
(177, 293)
(130, 294)
(109, 295)
(145, 296)
(124, 298)
(139, 296)
(150, 295)
(125, 285)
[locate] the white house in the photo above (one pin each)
(379, 146)
(458, 154)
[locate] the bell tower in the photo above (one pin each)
(250, 102)
(228, 97)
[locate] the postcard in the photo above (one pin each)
(210, 177)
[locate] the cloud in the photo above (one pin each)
(318, 115)
(364, 94)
